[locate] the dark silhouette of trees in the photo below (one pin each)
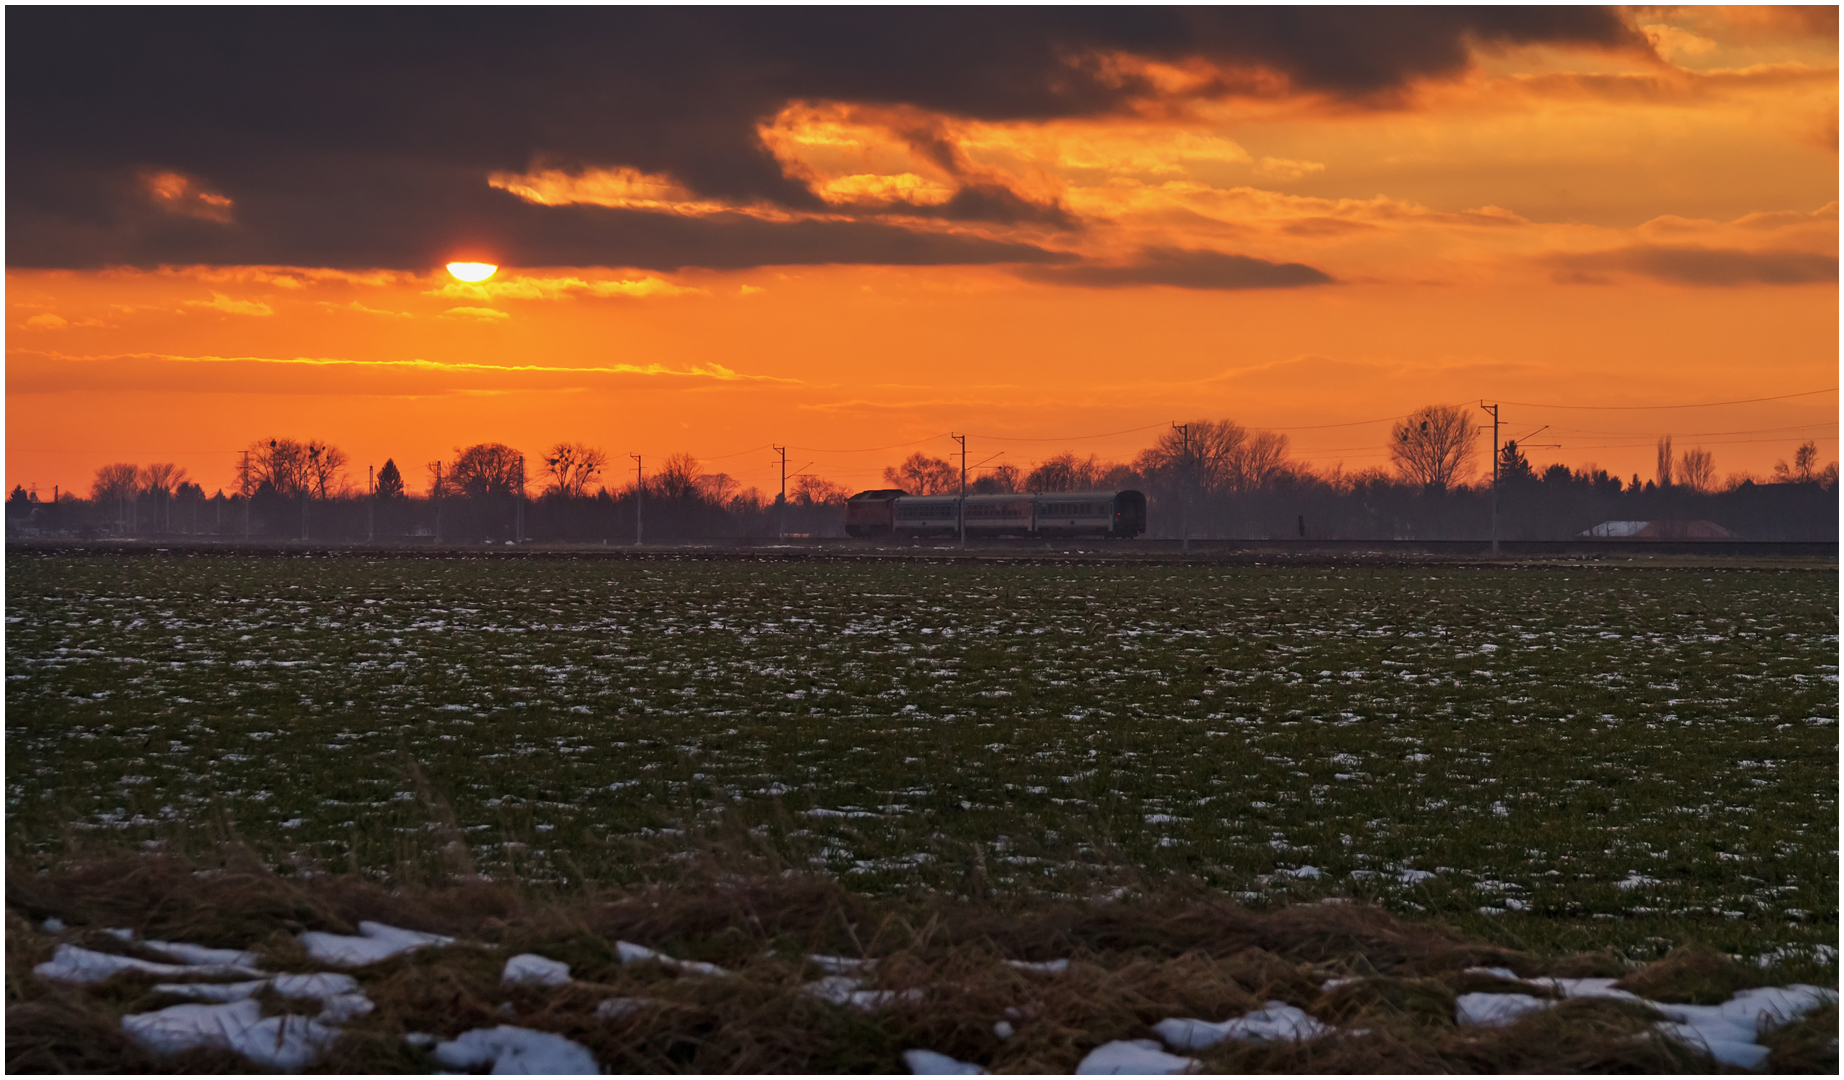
(1697, 469)
(676, 478)
(1434, 445)
(1065, 472)
(390, 481)
(572, 467)
(1513, 466)
(920, 474)
(1001, 479)
(115, 483)
(1804, 469)
(811, 490)
(484, 469)
(326, 470)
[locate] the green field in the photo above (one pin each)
(1554, 756)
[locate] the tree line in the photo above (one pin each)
(1208, 478)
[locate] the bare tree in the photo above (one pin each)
(1255, 462)
(325, 470)
(716, 488)
(279, 464)
(1434, 445)
(1666, 467)
(115, 483)
(1065, 472)
(572, 467)
(999, 480)
(1803, 471)
(810, 490)
(920, 474)
(1697, 468)
(677, 478)
(161, 478)
(484, 469)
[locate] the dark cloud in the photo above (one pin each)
(355, 136)
(1699, 266)
(1185, 270)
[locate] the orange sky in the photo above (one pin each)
(1552, 226)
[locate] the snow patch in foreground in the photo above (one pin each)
(530, 969)
(929, 1063)
(76, 964)
(279, 1042)
(1041, 967)
(1138, 1057)
(516, 1051)
(631, 953)
(1278, 1022)
(375, 942)
(1727, 1032)
(844, 990)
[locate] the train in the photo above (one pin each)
(893, 512)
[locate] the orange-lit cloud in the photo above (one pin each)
(178, 194)
(1311, 221)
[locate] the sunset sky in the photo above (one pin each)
(852, 231)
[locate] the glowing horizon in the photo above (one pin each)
(1611, 213)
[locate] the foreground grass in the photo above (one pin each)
(1133, 964)
(1557, 757)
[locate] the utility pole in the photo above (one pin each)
(436, 498)
(1493, 409)
(518, 516)
(781, 505)
(1184, 490)
(640, 497)
(371, 504)
(962, 440)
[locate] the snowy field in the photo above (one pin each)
(1561, 756)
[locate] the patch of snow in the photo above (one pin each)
(840, 965)
(516, 1051)
(1303, 872)
(375, 942)
(530, 969)
(120, 934)
(74, 963)
(1332, 984)
(199, 954)
(422, 1040)
(1728, 1030)
(1414, 877)
(929, 1063)
(631, 953)
(1041, 967)
(1003, 1029)
(1139, 1057)
(288, 1043)
(53, 925)
(1278, 1022)
(1635, 879)
(844, 990)
(1494, 972)
(1495, 1010)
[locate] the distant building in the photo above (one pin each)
(1696, 529)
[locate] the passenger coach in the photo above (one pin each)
(891, 512)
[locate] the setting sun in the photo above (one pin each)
(467, 271)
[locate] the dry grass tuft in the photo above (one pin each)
(1691, 975)
(1132, 965)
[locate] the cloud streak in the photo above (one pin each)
(1186, 269)
(1698, 266)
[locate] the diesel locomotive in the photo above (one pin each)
(892, 512)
